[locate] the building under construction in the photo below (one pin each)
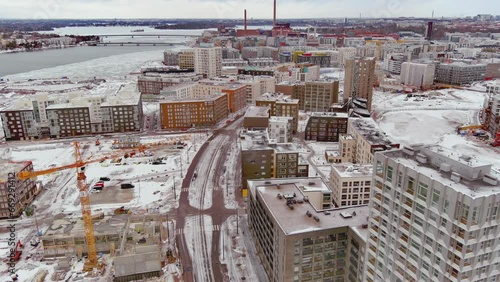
(134, 242)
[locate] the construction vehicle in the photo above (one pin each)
(471, 127)
(97, 142)
(122, 210)
(18, 251)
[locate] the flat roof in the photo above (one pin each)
(297, 221)
(211, 97)
(146, 260)
(19, 106)
(473, 188)
(278, 97)
(370, 131)
(7, 167)
(353, 170)
(67, 227)
(329, 114)
(259, 140)
(68, 106)
(128, 95)
(254, 111)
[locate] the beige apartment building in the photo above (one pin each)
(319, 96)
(186, 60)
(360, 79)
(350, 184)
(208, 61)
(256, 118)
(298, 234)
(281, 106)
(23, 191)
(152, 85)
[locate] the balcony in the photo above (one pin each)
(375, 228)
(407, 215)
(410, 191)
(406, 226)
(463, 220)
(404, 238)
(379, 197)
(409, 203)
(373, 248)
(402, 249)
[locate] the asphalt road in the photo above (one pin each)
(217, 211)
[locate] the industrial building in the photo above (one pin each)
(203, 112)
(281, 106)
(208, 60)
(350, 184)
(360, 79)
(459, 73)
(433, 217)
(418, 75)
(300, 237)
(22, 192)
(263, 158)
(326, 127)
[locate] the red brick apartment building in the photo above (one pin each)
(183, 114)
(25, 191)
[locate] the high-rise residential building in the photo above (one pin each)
(494, 118)
(350, 184)
(202, 112)
(263, 158)
(326, 126)
(393, 61)
(299, 236)
(459, 73)
(359, 79)
(281, 106)
(186, 59)
(257, 86)
(434, 216)
(319, 96)
(19, 122)
(151, 85)
(208, 61)
(418, 75)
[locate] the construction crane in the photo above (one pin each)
(79, 165)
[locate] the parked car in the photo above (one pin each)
(104, 179)
(99, 184)
(98, 188)
(127, 186)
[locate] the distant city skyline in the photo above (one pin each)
(233, 9)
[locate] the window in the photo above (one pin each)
(389, 173)
(435, 198)
(422, 191)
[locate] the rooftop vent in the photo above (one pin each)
(312, 183)
(346, 215)
(466, 158)
(408, 151)
(490, 179)
(455, 177)
(421, 158)
(445, 167)
(308, 213)
(279, 196)
(316, 218)
(290, 206)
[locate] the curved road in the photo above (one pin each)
(217, 211)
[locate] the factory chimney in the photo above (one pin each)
(245, 19)
(274, 18)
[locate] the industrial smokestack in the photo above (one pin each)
(245, 19)
(274, 18)
(428, 32)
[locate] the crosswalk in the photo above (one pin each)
(180, 231)
(185, 189)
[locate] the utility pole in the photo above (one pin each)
(180, 160)
(36, 223)
(237, 221)
(227, 185)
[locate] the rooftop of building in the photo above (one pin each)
(370, 131)
(280, 119)
(353, 170)
(159, 76)
(73, 104)
(255, 140)
(7, 167)
(278, 97)
(329, 115)
(461, 65)
(451, 168)
(128, 95)
(145, 260)
(19, 106)
(254, 111)
(73, 227)
(293, 218)
(174, 99)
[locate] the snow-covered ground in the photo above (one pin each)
(435, 120)
(202, 238)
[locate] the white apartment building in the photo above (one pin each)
(257, 86)
(350, 184)
(208, 61)
(393, 61)
(299, 237)
(418, 75)
(354, 41)
(434, 216)
(280, 129)
(345, 53)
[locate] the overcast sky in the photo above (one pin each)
(39, 9)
